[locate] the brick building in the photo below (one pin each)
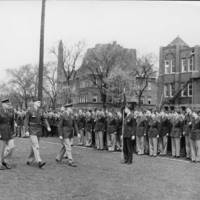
(179, 75)
(86, 95)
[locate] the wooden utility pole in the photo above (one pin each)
(41, 55)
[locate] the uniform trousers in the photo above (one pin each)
(34, 151)
(128, 150)
(163, 144)
(99, 140)
(111, 141)
(7, 149)
(65, 150)
(88, 138)
(195, 150)
(187, 146)
(82, 137)
(153, 146)
(175, 142)
(140, 145)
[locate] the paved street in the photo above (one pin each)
(99, 175)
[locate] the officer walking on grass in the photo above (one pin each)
(66, 129)
(6, 132)
(34, 120)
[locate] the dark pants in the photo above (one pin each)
(128, 150)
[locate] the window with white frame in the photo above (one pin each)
(166, 90)
(190, 64)
(142, 100)
(167, 64)
(173, 66)
(184, 65)
(149, 86)
(190, 89)
(94, 98)
(184, 92)
(149, 100)
(172, 89)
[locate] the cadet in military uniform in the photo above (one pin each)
(99, 128)
(6, 132)
(111, 131)
(128, 136)
(187, 128)
(66, 128)
(176, 133)
(165, 129)
(34, 120)
(195, 138)
(153, 135)
(140, 133)
(88, 128)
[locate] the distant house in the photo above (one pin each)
(179, 75)
(86, 95)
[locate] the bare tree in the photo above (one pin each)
(24, 81)
(143, 74)
(50, 83)
(100, 61)
(71, 60)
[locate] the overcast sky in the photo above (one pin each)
(134, 24)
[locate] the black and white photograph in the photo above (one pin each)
(99, 100)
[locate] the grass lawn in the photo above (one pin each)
(99, 176)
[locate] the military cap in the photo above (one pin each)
(6, 100)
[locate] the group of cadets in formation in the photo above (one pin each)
(113, 130)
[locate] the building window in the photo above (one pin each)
(149, 86)
(167, 66)
(142, 100)
(173, 67)
(184, 65)
(172, 89)
(167, 90)
(85, 99)
(149, 100)
(94, 99)
(184, 92)
(190, 89)
(190, 64)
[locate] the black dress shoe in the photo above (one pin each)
(6, 165)
(2, 167)
(41, 164)
(71, 164)
(58, 161)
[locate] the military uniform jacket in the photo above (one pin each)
(195, 132)
(6, 124)
(129, 126)
(81, 122)
(100, 124)
(187, 126)
(177, 130)
(119, 127)
(89, 123)
(111, 126)
(34, 120)
(153, 130)
(141, 128)
(165, 127)
(67, 127)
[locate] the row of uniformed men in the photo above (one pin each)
(136, 124)
(151, 131)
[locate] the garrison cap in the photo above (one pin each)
(6, 100)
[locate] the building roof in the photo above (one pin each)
(178, 42)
